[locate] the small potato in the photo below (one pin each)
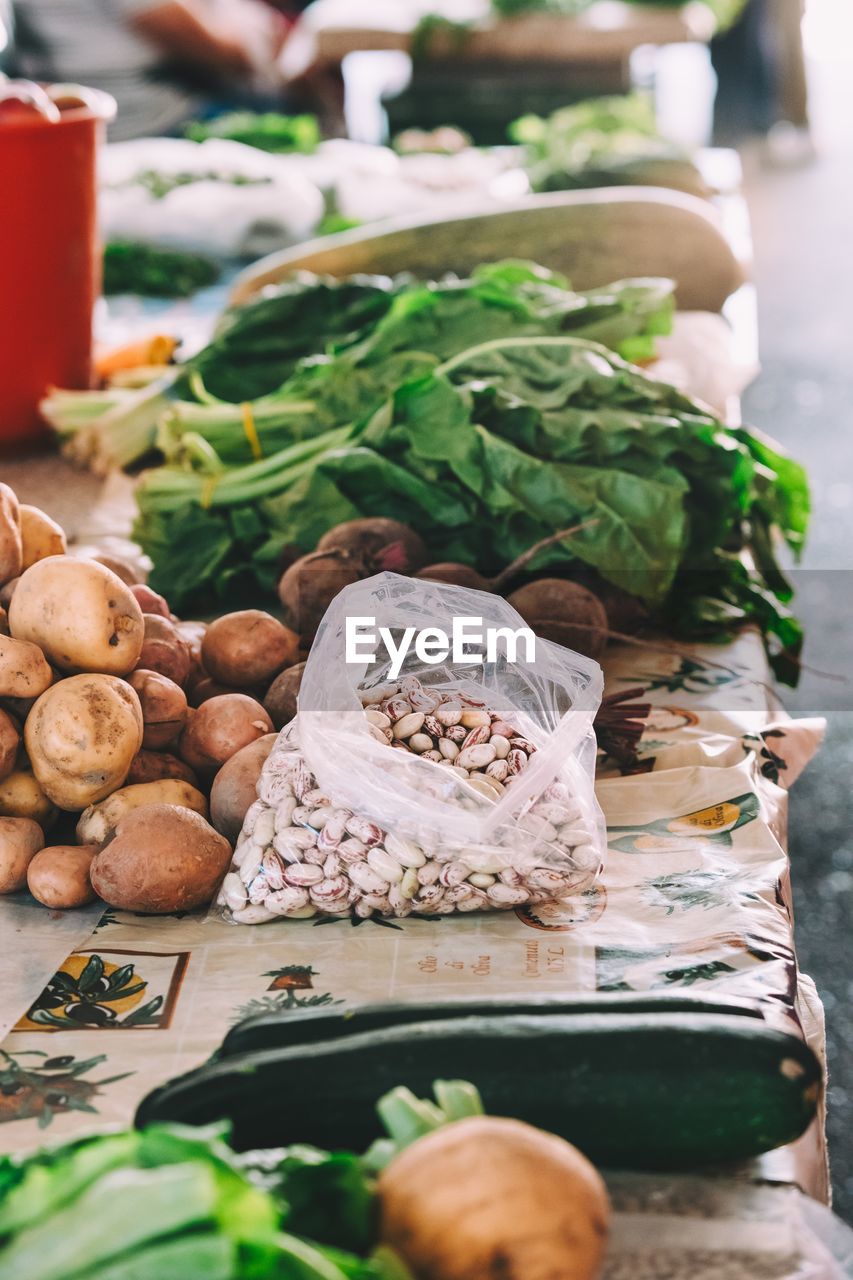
(18, 708)
(4, 622)
(80, 614)
(11, 546)
(98, 823)
(7, 590)
(149, 601)
(81, 736)
(164, 707)
(192, 634)
(58, 876)
(280, 701)
(21, 796)
(152, 766)
(163, 650)
(10, 741)
(247, 648)
(218, 730)
(494, 1199)
(203, 689)
(122, 568)
(161, 859)
(40, 536)
(20, 841)
(235, 785)
(24, 670)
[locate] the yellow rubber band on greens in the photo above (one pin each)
(208, 490)
(251, 431)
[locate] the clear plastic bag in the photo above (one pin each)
(345, 823)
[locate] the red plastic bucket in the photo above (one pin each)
(50, 262)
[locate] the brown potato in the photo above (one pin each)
(121, 567)
(164, 707)
(4, 622)
(219, 728)
(7, 590)
(235, 785)
(58, 876)
(10, 741)
(192, 634)
(18, 708)
(163, 650)
(20, 841)
(494, 1199)
(203, 689)
(24, 670)
(247, 648)
(40, 536)
(80, 614)
(161, 859)
(11, 548)
(21, 796)
(98, 823)
(151, 766)
(280, 702)
(81, 736)
(149, 601)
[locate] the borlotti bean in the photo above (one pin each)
(300, 854)
(465, 783)
(455, 733)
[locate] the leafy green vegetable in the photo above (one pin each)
(258, 346)
(269, 130)
(174, 1203)
(31, 1190)
(315, 353)
(333, 223)
(602, 142)
(152, 272)
(493, 450)
(159, 183)
(327, 1197)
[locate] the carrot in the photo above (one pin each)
(157, 349)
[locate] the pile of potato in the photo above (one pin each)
(131, 740)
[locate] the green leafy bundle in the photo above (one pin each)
(367, 320)
(496, 448)
(153, 272)
(316, 353)
(268, 130)
(603, 142)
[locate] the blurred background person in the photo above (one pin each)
(164, 61)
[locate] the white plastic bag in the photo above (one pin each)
(344, 822)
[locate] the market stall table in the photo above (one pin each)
(700, 906)
(606, 30)
(553, 58)
(695, 900)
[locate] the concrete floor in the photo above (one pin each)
(802, 219)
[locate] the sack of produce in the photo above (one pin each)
(442, 760)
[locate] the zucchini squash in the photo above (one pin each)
(670, 1091)
(286, 1027)
(593, 237)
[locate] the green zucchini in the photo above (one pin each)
(288, 1027)
(672, 1091)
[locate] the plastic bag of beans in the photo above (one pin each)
(442, 760)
